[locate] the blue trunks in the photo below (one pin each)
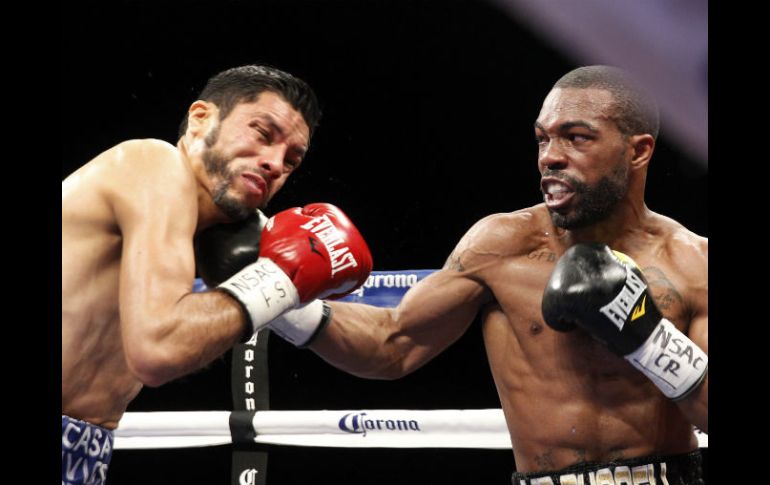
(86, 450)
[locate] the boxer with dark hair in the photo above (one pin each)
(610, 394)
(129, 218)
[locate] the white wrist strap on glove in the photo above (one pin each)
(301, 325)
(671, 360)
(264, 291)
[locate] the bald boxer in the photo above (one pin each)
(611, 393)
(129, 217)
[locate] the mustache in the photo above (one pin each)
(221, 165)
(238, 172)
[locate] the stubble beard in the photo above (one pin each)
(596, 201)
(217, 167)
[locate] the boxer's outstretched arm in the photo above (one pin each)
(167, 331)
(387, 343)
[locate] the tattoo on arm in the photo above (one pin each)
(453, 262)
(664, 292)
(543, 255)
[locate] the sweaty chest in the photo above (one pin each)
(518, 284)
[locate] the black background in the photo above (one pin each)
(427, 127)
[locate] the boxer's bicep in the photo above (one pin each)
(435, 314)
(156, 210)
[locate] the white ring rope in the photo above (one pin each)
(378, 428)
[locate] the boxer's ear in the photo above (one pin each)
(200, 117)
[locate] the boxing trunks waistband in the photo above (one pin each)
(86, 450)
(683, 469)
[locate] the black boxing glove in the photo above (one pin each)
(223, 250)
(605, 293)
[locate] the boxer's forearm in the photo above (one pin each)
(359, 340)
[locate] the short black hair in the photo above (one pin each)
(246, 83)
(634, 111)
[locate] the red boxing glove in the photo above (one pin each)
(305, 253)
(319, 249)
